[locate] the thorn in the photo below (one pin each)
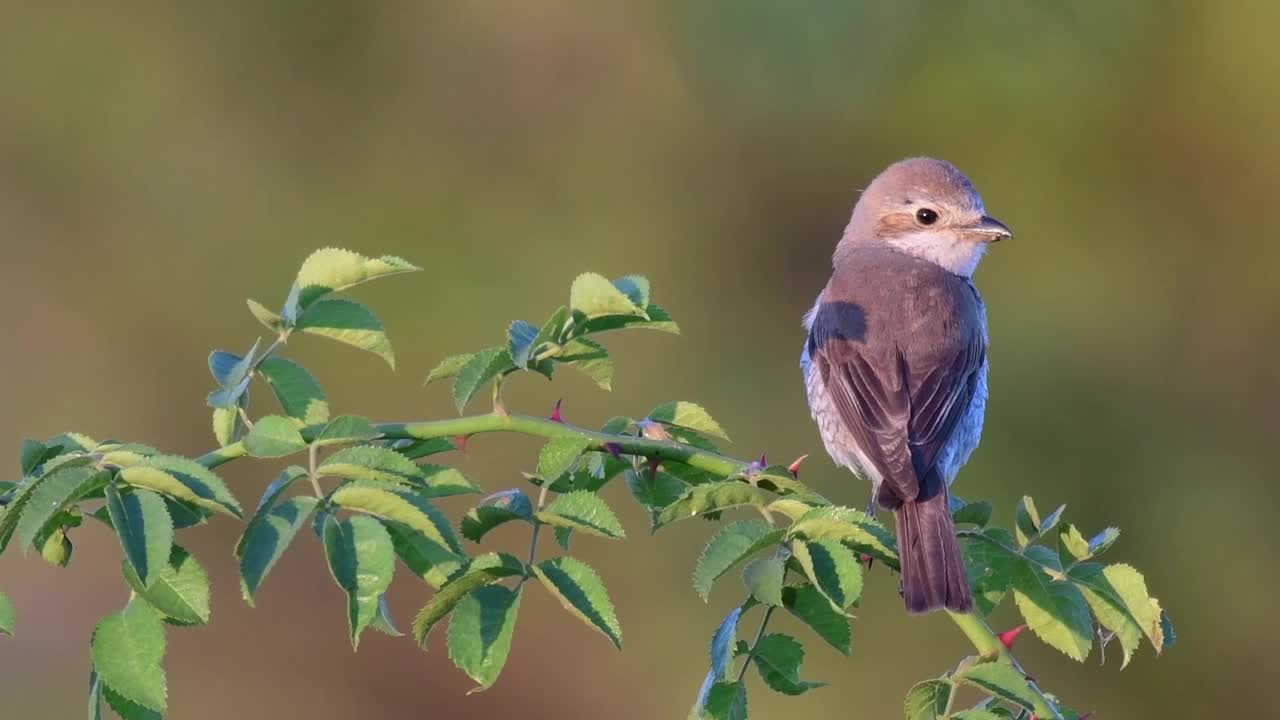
(653, 468)
(555, 414)
(461, 442)
(868, 560)
(794, 467)
(1008, 637)
(500, 409)
(614, 449)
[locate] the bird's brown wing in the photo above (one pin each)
(900, 406)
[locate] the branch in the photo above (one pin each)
(971, 624)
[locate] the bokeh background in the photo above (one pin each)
(160, 162)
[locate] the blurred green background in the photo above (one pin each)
(160, 162)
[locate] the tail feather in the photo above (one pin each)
(933, 574)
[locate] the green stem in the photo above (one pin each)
(971, 624)
(751, 653)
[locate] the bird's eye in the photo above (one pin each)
(926, 216)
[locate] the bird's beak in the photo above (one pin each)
(989, 229)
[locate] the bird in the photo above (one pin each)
(895, 362)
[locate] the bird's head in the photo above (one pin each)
(926, 208)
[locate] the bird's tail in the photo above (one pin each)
(933, 575)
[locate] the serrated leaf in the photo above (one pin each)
(722, 645)
(1121, 592)
(1072, 544)
(274, 436)
(6, 615)
(581, 591)
(711, 497)
(346, 429)
(128, 710)
(127, 649)
(383, 622)
(1101, 542)
(729, 546)
(498, 508)
(979, 714)
(975, 513)
(585, 512)
(416, 449)
(688, 415)
(559, 455)
(832, 568)
(369, 462)
(227, 426)
(763, 578)
(520, 337)
(591, 359)
(721, 701)
(775, 479)
(655, 490)
(928, 700)
(563, 535)
(144, 527)
(481, 367)
(349, 322)
(403, 507)
(1055, 611)
(297, 390)
(778, 657)
(362, 561)
(333, 269)
(269, 319)
(426, 558)
(52, 495)
(1169, 637)
(267, 536)
(1001, 680)
(180, 590)
(1027, 523)
(33, 455)
(636, 288)
(552, 331)
(449, 367)
(657, 319)
(594, 295)
(851, 527)
(480, 632)
(442, 481)
(812, 608)
(183, 479)
(482, 570)
(990, 558)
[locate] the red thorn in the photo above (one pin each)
(764, 459)
(461, 442)
(555, 414)
(795, 466)
(1087, 715)
(653, 467)
(868, 560)
(614, 449)
(1009, 636)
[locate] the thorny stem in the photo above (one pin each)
(751, 653)
(971, 624)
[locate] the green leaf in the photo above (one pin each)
(778, 658)
(1055, 611)
(145, 529)
(449, 367)
(498, 508)
(1001, 680)
(267, 536)
(928, 700)
(55, 546)
(551, 332)
(722, 645)
(582, 593)
(979, 714)
(1027, 523)
(1118, 596)
(227, 425)
(347, 321)
(482, 570)
(591, 359)
(232, 373)
(712, 497)
(594, 296)
(270, 320)
(657, 319)
(403, 507)
(180, 590)
(763, 577)
(127, 648)
(563, 534)
(655, 490)
(559, 455)
(636, 288)
(732, 544)
(1072, 545)
(479, 370)
(775, 479)
(832, 568)
(274, 436)
(442, 481)
(95, 696)
(976, 513)
(297, 390)
(52, 495)
(688, 415)
(426, 558)
(990, 558)
(383, 622)
(415, 449)
(812, 608)
(723, 701)
(33, 455)
(184, 479)
(369, 462)
(583, 511)
(333, 269)
(852, 527)
(128, 710)
(362, 560)
(6, 615)
(346, 429)
(480, 632)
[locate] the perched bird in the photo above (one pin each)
(896, 361)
